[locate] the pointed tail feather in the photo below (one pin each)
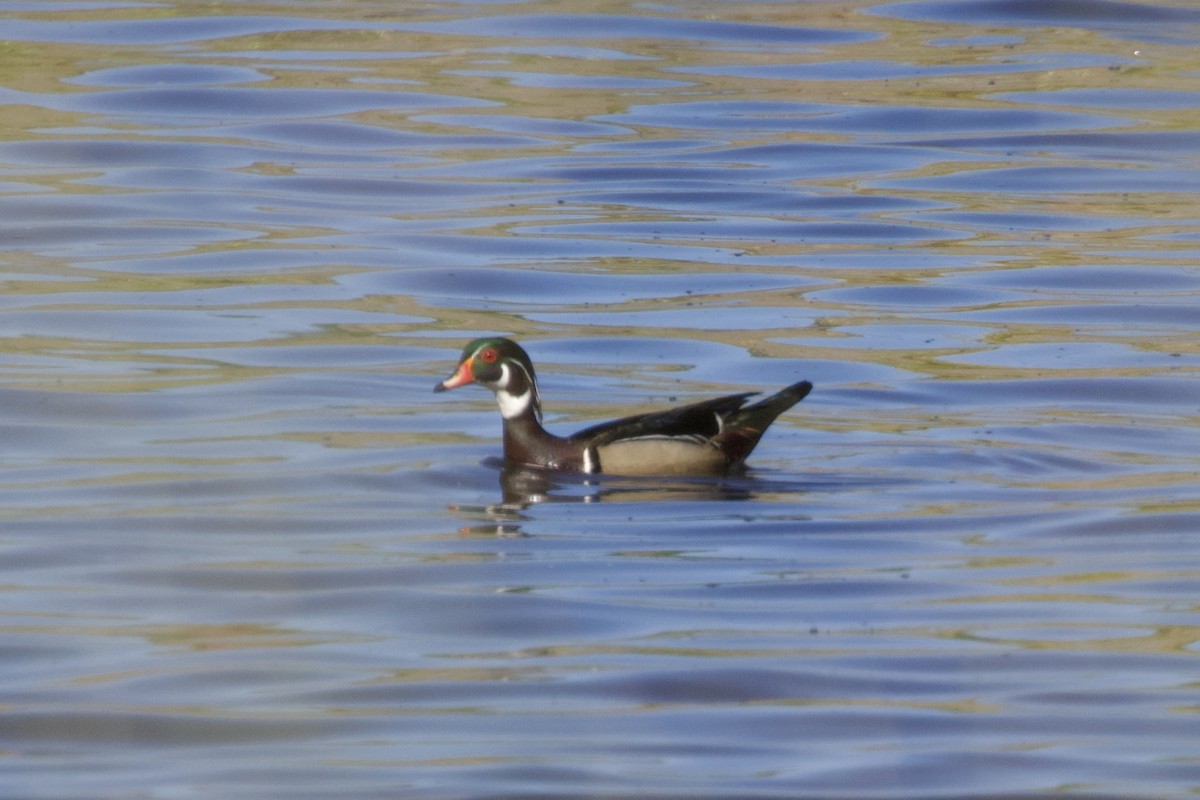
(746, 427)
(770, 408)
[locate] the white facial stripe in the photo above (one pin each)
(510, 405)
(514, 405)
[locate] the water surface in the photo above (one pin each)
(247, 552)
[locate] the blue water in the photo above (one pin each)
(247, 552)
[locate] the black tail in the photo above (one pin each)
(746, 427)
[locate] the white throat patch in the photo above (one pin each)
(511, 405)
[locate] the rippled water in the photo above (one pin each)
(247, 552)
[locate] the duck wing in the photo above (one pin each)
(702, 420)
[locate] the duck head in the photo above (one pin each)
(503, 366)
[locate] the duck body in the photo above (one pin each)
(710, 437)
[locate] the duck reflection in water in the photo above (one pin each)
(524, 487)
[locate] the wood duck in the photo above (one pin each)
(705, 438)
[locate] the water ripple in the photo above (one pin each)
(248, 552)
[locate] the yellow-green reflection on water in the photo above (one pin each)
(248, 552)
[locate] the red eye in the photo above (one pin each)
(488, 355)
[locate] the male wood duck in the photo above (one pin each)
(705, 438)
